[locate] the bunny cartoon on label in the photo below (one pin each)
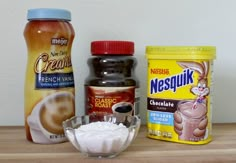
(190, 119)
(200, 90)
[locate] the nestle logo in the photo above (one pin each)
(59, 41)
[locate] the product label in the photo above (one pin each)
(172, 83)
(49, 84)
(55, 80)
(116, 100)
(49, 70)
(179, 103)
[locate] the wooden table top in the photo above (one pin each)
(15, 148)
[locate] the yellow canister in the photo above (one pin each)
(179, 102)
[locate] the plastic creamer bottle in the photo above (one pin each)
(49, 82)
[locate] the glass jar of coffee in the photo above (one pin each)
(112, 86)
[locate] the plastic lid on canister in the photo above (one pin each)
(112, 48)
(48, 14)
(181, 52)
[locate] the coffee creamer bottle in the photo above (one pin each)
(49, 82)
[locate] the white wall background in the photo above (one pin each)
(146, 22)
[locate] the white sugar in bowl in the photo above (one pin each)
(101, 136)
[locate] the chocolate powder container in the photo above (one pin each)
(179, 93)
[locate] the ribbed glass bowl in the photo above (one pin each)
(100, 140)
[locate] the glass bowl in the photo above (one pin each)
(102, 136)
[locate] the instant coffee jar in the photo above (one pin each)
(112, 86)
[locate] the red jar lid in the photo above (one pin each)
(112, 48)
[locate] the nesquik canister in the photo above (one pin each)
(49, 81)
(179, 93)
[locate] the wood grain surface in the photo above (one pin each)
(15, 148)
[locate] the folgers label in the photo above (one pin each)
(179, 102)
